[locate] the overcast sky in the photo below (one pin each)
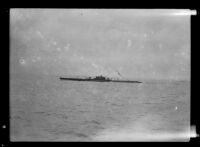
(136, 43)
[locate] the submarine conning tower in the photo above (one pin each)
(100, 78)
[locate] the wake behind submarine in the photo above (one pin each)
(99, 79)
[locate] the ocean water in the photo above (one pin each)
(47, 109)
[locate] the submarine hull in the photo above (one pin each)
(90, 80)
(96, 80)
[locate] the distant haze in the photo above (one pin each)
(138, 44)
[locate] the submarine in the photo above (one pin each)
(99, 79)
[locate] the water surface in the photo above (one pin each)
(43, 108)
